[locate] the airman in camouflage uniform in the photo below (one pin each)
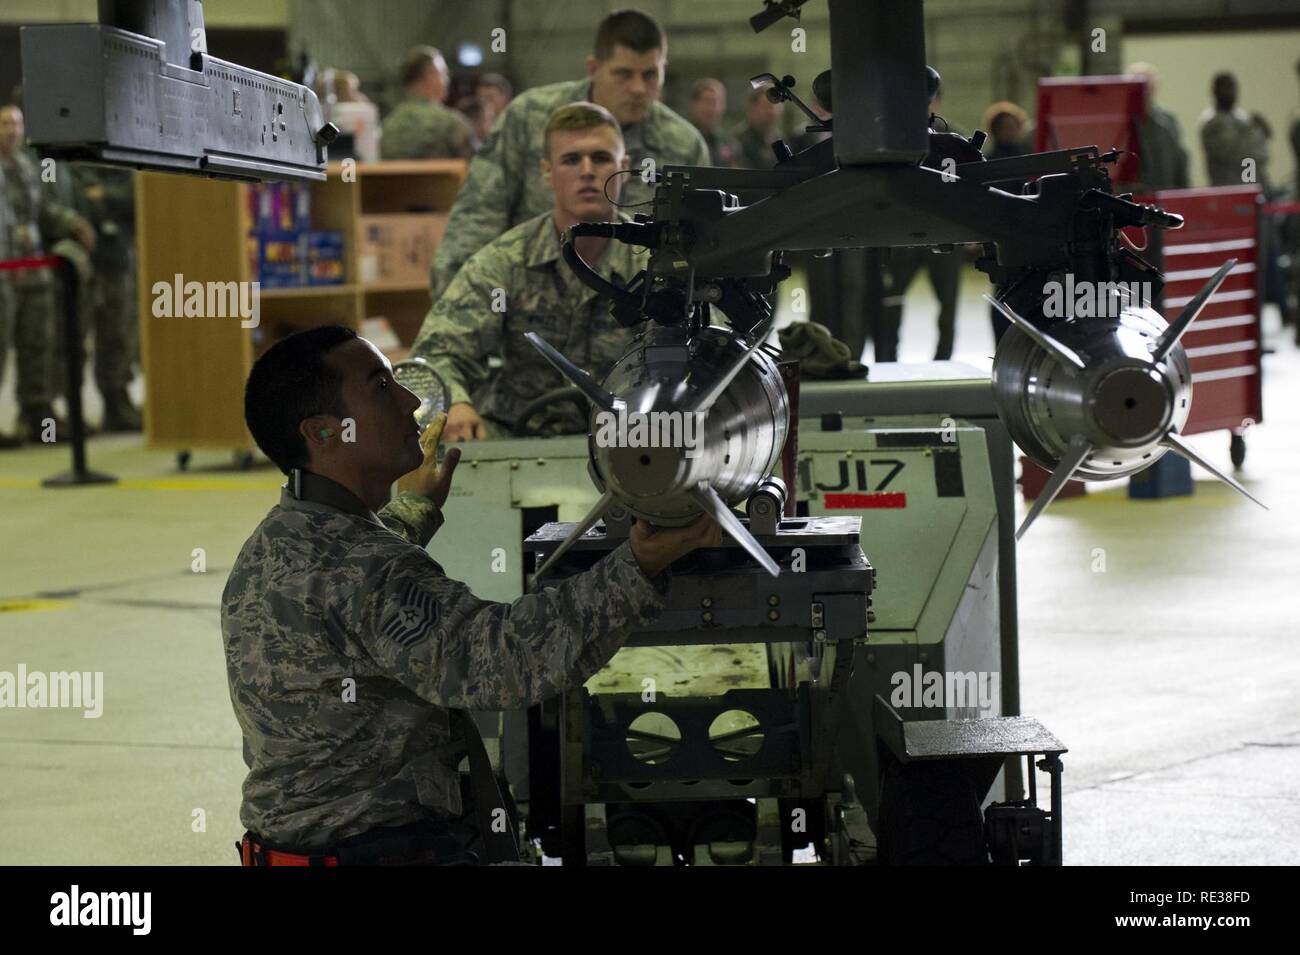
(35, 223)
(1230, 136)
(515, 285)
(6, 295)
(106, 196)
(519, 283)
(706, 109)
(421, 127)
(321, 595)
(351, 657)
(504, 187)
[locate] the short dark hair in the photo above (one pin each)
(633, 29)
(707, 83)
(289, 382)
(579, 115)
(496, 81)
(471, 107)
(417, 61)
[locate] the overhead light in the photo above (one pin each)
(469, 54)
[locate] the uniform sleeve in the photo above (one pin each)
(461, 145)
(57, 220)
(119, 198)
(1181, 180)
(1219, 142)
(462, 330)
(412, 517)
(701, 157)
(451, 648)
(483, 206)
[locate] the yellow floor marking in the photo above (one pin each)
(16, 606)
(162, 484)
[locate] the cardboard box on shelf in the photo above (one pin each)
(398, 249)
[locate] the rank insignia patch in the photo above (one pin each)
(413, 619)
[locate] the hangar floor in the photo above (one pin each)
(1171, 676)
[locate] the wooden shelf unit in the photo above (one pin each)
(195, 368)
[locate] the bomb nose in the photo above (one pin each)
(1132, 406)
(644, 472)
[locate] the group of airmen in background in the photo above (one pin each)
(506, 221)
(41, 204)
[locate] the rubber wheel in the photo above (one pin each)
(183, 460)
(1238, 451)
(930, 815)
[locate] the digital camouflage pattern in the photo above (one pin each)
(6, 286)
(523, 273)
(36, 219)
(724, 148)
(34, 223)
(1163, 160)
(756, 151)
(419, 128)
(105, 196)
(1228, 137)
(319, 595)
(505, 184)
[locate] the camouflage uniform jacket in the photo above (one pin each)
(522, 273)
(724, 149)
(756, 151)
(418, 128)
(105, 195)
(35, 221)
(505, 184)
(1229, 137)
(322, 595)
(1163, 160)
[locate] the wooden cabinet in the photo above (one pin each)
(196, 230)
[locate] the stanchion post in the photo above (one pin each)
(75, 363)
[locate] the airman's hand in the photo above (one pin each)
(430, 479)
(656, 547)
(84, 233)
(464, 424)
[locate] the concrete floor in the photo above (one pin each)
(1171, 676)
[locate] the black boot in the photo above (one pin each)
(119, 414)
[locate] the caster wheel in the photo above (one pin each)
(243, 460)
(183, 460)
(1238, 451)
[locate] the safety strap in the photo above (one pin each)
(495, 828)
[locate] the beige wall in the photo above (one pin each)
(225, 13)
(1265, 66)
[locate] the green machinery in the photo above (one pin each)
(929, 732)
